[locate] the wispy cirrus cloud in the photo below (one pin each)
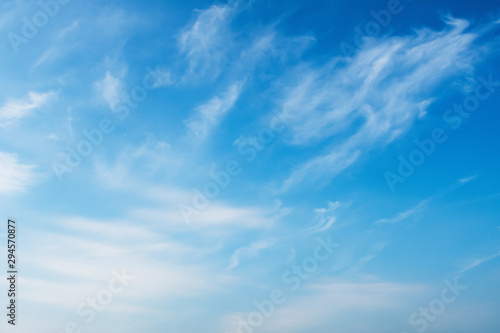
(110, 89)
(131, 172)
(249, 251)
(324, 218)
(476, 262)
(212, 47)
(324, 305)
(374, 98)
(15, 177)
(217, 217)
(468, 179)
(208, 115)
(134, 162)
(83, 263)
(16, 109)
(205, 41)
(406, 214)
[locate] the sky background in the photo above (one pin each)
(316, 119)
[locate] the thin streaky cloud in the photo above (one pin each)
(15, 177)
(110, 89)
(15, 109)
(468, 179)
(474, 263)
(249, 251)
(324, 218)
(385, 88)
(208, 115)
(402, 216)
(205, 42)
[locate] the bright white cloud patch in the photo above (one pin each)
(406, 214)
(468, 179)
(372, 99)
(13, 110)
(205, 41)
(325, 217)
(330, 303)
(84, 262)
(208, 115)
(251, 250)
(14, 176)
(473, 263)
(110, 89)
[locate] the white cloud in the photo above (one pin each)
(110, 88)
(129, 173)
(163, 78)
(324, 218)
(70, 28)
(279, 211)
(473, 263)
(13, 110)
(55, 293)
(114, 230)
(212, 48)
(468, 179)
(14, 176)
(373, 99)
(251, 250)
(332, 206)
(48, 55)
(134, 163)
(406, 214)
(463, 181)
(210, 114)
(205, 41)
(83, 263)
(216, 216)
(329, 304)
(53, 136)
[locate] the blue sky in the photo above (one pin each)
(212, 149)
